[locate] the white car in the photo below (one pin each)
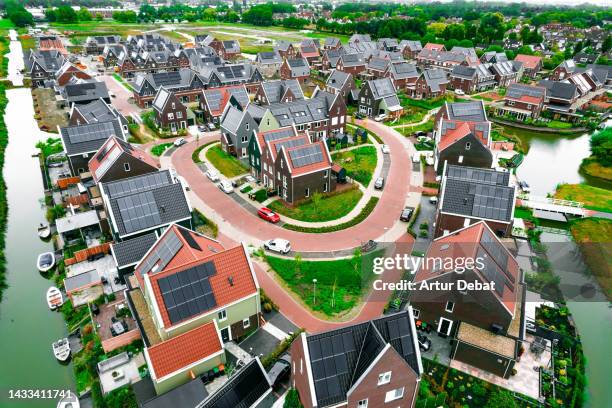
(385, 149)
(459, 92)
(213, 175)
(433, 199)
(226, 187)
(179, 142)
(381, 117)
(282, 246)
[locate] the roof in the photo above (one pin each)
(131, 251)
(529, 61)
(275, 90)
(466, 111)
(403, 69)
(96, 111)
(463, 71)
(411, 45)
(337, 79)
(85, 91)
(217, 98)
(453, 131)
(433, 46)
(478, 193)
(89, 137)
(169, 80)
(487, 340)
(338, 358)
(434, 78)
(506, 67)
(352, 60)
(49, 60)
(191, 274)
(112, 149)
(298, 66)
(276, 145)
(302, 159)
(275, 134)
(309, 50)
(145, 202)
(269, 57)
(302, 110)
(82, 280)
(243, 388)
(559, 90)
(282, 45)
(231, 46)
(161, 99)
(76, 221)
(382, 88)
(526, 93)
(186, 395)
(378, 64)
(183, 350)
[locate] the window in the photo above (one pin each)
(460, 159)
(325, 188)
(394, 394)
(384, 378)
(325, 174)
(171, 116)
(468, 145)
(307, 192)
(173, 105)
(450, 306)
(247, 126)
(416, 313)
(246, 323)
(278, 175)
(126, 166)
(179, 114)
(244, 139)
(363, 403)
(222, 315)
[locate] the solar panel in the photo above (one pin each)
(106, 164)
(139, 211)
(289, 143)
(103, 152)
(190, 239)
(90, 132)
(491, 202)
(281, 134)
(496, 251)
(491, 271)
(163, 253)
(137, 184)
(306, 155)
(167, 78)
(188, 293)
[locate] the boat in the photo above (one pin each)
(45, 261)
(61, 349)
(54, 298)
(70, 400)
(44, 231)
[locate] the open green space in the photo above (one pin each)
(410, 130)
(159, 149)
(227, 164)
(427, 104)
(359, 163)
(594, 198)
(320, 207)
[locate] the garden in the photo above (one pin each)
(159, 149)
(320, 207)
(225, 163)
(359, 163)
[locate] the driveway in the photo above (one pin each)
(122, 95)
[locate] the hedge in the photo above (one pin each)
(4, 139)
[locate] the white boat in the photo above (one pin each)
(45, 261)
(54, 298)
(44, 231)
(61, 349)
(69, 401)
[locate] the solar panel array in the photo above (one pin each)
(139, 211)
(280, 134)
(373, 343)
(106, 164)
(232, 71)
(477, 175)
(398, 333)
(80, 89)
(518, 90)
(167, 78)
(289, 143)
(90, 132)
(467, 109)
(491, 271)
(140, 183)
(103, 152)
(163, 253)
(307, 155)
(404, 68)
(492, 202)
(497, 252)
(188, 293)
(187, 236)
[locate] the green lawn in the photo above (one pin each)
(159, 149)
(359, 163)
(409, 130)
(592, 197)
(340, 283)
(227, 164)
(427, 104)
(555, 124)
(593, 235)
(329, 208)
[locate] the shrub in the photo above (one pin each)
(271, 358)
(292, 400)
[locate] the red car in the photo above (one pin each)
(268, 215)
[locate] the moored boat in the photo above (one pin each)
(44, 231)
(54, 298)
(45, 261)
(61, 349)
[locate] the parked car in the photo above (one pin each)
(406, 214)
(420, 133)
(381, 117)
(282, 246)
(379, 183)
(179, 142)
(358, 115)
(424, 342)
(211, 126)
(524, 186)
(213, 175)
(530, 327)
(385, 149)
(433, 200)
(280, 370)
(201, 128)
(459, 92)
(267, 214)
(226, 186)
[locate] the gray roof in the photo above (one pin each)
(493, 56)
(518, 90)
(131, 251)
(434, 78)
(506, 67)
(602, 72)
(360, 38)
(96, 111)
(85, 91)
(403, 69)
(232, 118)
(144, 202)
(73, 222)
(382, 88)
(331, 42)
(269, 57)
(232, 46)
(560, 90)
(282, 45)
(337, 79)
(469, 52)
(299, 67)
(189, 395)
(49, 60)
(89, 137)
(213, 96)
(161, 98)
(169, 80)
(480, 193)
(461, 71)
(100, 40)
(274, 90)
(466, 111)
(81, 280)
(334, 55)
(302, 111)
(412, 45)
(352, 60)
(378, 64)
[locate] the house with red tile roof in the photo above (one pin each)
(522, 101)
(532, 64)
(214, 101)
(51, 42)
(195, 295)
(117, 159)
(487, 323)
(463, 143)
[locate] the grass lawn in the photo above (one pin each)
(427, 104)
(593, 197)
(159, 149)
(227, 164)
(122, 82)
(591, 167)
(410, 115)
(340, 283)
(359, 163)
(555, 124)
(523, 212)
(593, 235)
(27, 42)
(409, 130)
(329, 208)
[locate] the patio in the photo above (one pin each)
(440, 348)
(114, 318)
(119, 370)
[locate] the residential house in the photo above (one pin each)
(359, 38)
(387, 44)
(472, 79)
(214, 101)
(185, 83)
(330, 58)
(129, 252)
(471, 58)
(269, 63)
(492, 57)
(506, 72)
(522, 101)
(94, 45)
(297, 69)
(379, 96)
(340, 83)
(131, 62)
(280, 90)
(585, 58)
(117, 159)
(70, 73)
(227, 49)
(286, 49)
(430, 84)
(461, 111)
(51, 43)
(440, 59)
(262, 155)
(111, 53)
(142, 204)
(231, 74)
(80, 142)
(170, 113)
(463, 143)
(376, 363)
(377, 68)
(470, 194)
(332, 43)
(310, 53)
(485, 326)
(560, 97)
(564, 70)
(403, 74)
(410, 49)
(93, 112)
(41, 66)
(532, 64)
(237, 126)
(434, 47)
(353, 64)
(82, 92)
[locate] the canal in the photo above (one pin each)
(27, 326)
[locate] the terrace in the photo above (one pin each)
(115, 324)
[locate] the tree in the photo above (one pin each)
(601, 146)
(99, 17)
(147, 13)
(65, 14)
(125, 16)
(501, 398)
(18, 15)
(84, 15)
(607, 44)
(293, 399)
(260, 15)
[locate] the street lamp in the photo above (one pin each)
(314, 291)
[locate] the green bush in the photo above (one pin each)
(269, 360)
(292, 400)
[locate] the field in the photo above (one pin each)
(359, 163)
(594, 236)
(328, 208)
(227, 165)
(592, 197)
(591, 167)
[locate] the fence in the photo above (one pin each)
(84, 254)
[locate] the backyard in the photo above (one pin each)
(227, 164)
(359, 163)
(320, 207)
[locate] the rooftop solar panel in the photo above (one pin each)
(136, 184)
(306, 155)
(289, 143)
(139, 211)
(190, 239)
(163, 253)
(90, 132)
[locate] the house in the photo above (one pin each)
(564, 70)
(560, 97)
(403, 74)
(310, 53)
(129, 252)
(463, 143)
(340, 83)
(446, 60)
(410, 49)
(585, 58)
(387, 44)
(51, 43)
(229, 49)
(286, 49)
(142, 204)
(170, 113)
(434, 47)
(332, 43)
(280, 90)
(485, 325)
(80, 142)
(296, 68)
(506, 72)
(522, 101)
(532, 64)
(195, 295)
(214, 101)
(41, 66)
(94, 111)
(376, 363)
(262, 155)
(330, 58)
(365, 49)
(430, 84)
(237, 125)
(492, 57)
(69, 73)
(353, 64)
(231, 74)
(461, 111)
(359, 38)
(470, 194)
(117, 159)
(82, 92)
(110, 55)
(185, 83)
(377, 67)
(471, 58)
(269, 62)
(472, 79)
(132, 62)
(379, 96)
(94, 45)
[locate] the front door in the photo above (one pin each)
(444, 327)
(225, 334)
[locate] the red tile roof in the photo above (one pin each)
(183, 350)
(433, 46)
(461, 130)
(325, 163)
(529, 61)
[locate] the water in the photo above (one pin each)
(27, 326)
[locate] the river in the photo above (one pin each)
(27, 326)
